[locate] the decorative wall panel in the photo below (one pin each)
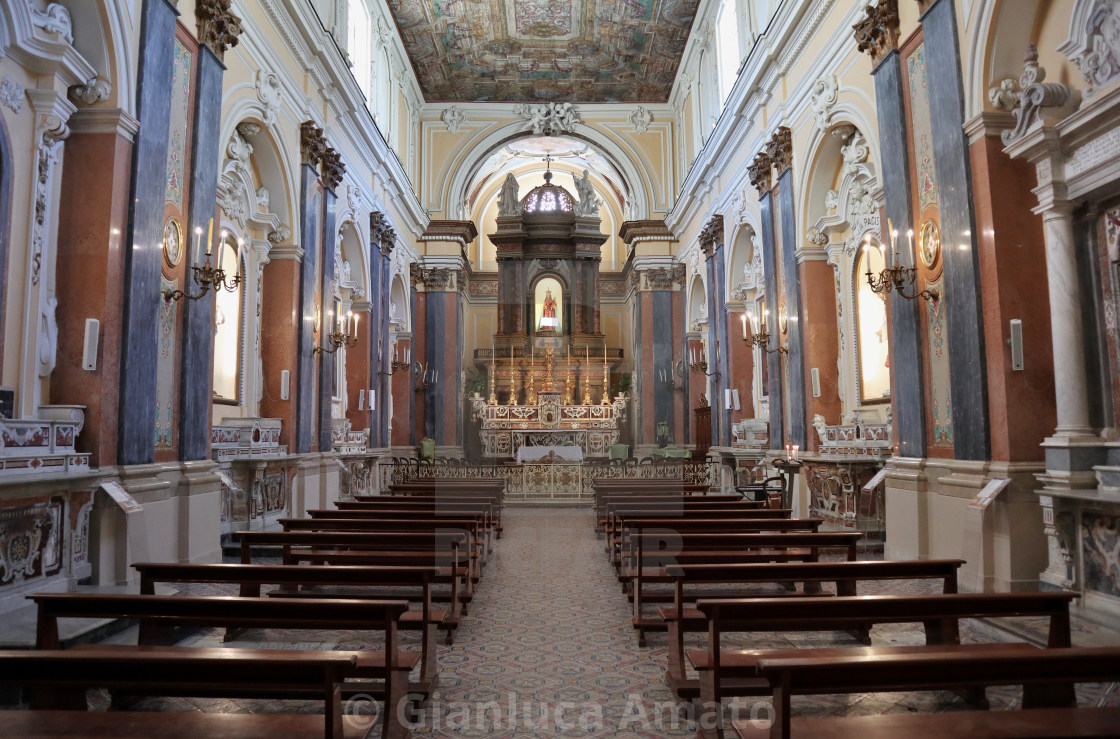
(166, 363)
(179, 134)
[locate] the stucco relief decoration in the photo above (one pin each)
(11, 94)
(48, 336)
(454, 118)
(1037, 95)
(1005, 95)
(711, 235)
(268, 92)
(381, 232)
(55, 19)
(877, 33)
(1094, 41)
(814, 236)
(440, 279)
(759, 172)
(218, 26)
(93, 91)
(640, 118)
(50, 145)
(552, 119)
(597, 51)
(780, 149)
(823, 96)
(280, 234)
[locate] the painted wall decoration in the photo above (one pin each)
(599, 51)
(180, 124)
(941, 402)
(166, 362)
(1100, 543)
(923, 133)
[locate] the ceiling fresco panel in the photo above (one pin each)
(580, 51)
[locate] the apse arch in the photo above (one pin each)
(399, 314)
(270, 162)
(354, 269)
(630, 165)
(697, 303)
(744, 254)
(822, 144)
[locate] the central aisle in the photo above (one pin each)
(550, 636)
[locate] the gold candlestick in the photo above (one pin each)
(530, 392)
(568, 381)
(586, 374)
(606, 392)
(548, 380)
(512, 386)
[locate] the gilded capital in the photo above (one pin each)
(759, 171)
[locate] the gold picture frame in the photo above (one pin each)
(929, 243)
(173, 242)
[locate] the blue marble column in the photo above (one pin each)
(136, 438)
(686, 403)
(663, 359)
(773, 360)
(793, 338)
(724, 377)
(412, 440)
(964, 311)
(310, 206)
(713, 345)
(639, 375)
(197, 365)
(327, 375)
(435, 330)
(906, 328)
(386, 352)
(376, 338)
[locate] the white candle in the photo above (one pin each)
(910, 239)
(197, 240)
(894, 245)
(744, 325)
(355, 327)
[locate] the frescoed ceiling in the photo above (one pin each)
(580, 51)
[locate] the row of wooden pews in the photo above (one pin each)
(406, 561)
(735, 569)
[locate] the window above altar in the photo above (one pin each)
(547, 198)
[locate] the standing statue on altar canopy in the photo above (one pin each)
(588, 204)
(508, 203)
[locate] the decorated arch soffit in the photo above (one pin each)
(592, 51)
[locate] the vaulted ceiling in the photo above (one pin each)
(580, 51)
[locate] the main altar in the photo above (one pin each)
(549, 367)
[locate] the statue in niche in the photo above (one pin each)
(548, 320)
(508, 203)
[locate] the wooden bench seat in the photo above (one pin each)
(59, 680)
(846, 575)
(250, 579)
(1028, 723)
(481, 518)
(1047, 677)
(490, 503)
(731, 672)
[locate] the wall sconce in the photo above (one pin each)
(398, 363)
(760, 337)
(698, 362)
(346, 333)
(674, 378)
(206, 275)
(897, 277)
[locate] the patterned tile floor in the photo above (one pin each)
(548, 651)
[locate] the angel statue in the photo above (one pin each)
(588, 204)
(508, 203)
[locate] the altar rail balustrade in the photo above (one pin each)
(549, 481)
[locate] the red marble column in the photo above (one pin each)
(697, 385)
(742, 367)
(646, 434)
(358, 377)
(402, 388)
(821, 344)
(418, 355)
(279, 334)
(92, 223)
(1021, 404)
(680, 410)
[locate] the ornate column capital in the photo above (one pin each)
(711, 235)
(333, 168)
(312, 145)
(218, 26)
(780, 149)
(759, 172)
(659, 278)
(382, 233)
(877, 34)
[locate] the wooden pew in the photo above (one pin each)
(1049, 706)
(618, 515)
(469, 526)
(730, 672)
(59, 680)
(480, 517)
(773, 521)
(657, 498)
(428, 501)
(446, 551)
(601, 488)
(250, 578)
(381, 674)
(679, 618)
